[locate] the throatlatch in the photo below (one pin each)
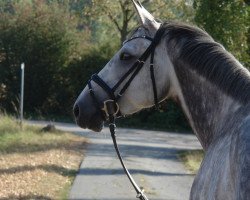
(109, 109)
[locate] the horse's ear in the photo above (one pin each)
(146, 19)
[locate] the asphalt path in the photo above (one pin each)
(151, 157)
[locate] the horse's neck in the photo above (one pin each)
(207, 108)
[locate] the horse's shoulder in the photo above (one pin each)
(242, 141)
(243, 158)
(239, 131)
(244, 133)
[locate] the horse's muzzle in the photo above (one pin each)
(87, 117)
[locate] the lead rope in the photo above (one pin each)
(111, 111)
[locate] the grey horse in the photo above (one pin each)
(210, 85)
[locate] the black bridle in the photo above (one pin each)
(109, 109)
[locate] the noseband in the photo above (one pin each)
(109, 109)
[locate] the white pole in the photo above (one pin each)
(22, 94)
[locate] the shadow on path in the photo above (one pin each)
(28, 197)
(129, 150)
(99, 172)
(48, 168)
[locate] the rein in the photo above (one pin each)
(110, 108)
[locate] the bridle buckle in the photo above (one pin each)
(110, 107)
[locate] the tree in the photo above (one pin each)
(120, 16)
(46, 39)
(228, 23)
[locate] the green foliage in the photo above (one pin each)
(46, 39)
(29, 138)
(107, 16)
(228, 22)
(8, 125)
(170, 118)
(11, 134)
(115, 20)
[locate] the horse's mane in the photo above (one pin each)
(193, 47)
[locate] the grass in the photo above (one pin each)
(35, 164)
(192, 159)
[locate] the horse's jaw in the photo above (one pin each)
(96, 128)
(95, 124)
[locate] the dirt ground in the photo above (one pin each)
(44, 174)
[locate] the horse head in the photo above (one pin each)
(139, 93)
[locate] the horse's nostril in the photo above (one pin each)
(76, 111)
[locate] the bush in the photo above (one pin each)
(228, 22)
(45, 38)
(170, 118)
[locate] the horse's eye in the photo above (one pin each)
(125, 56)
